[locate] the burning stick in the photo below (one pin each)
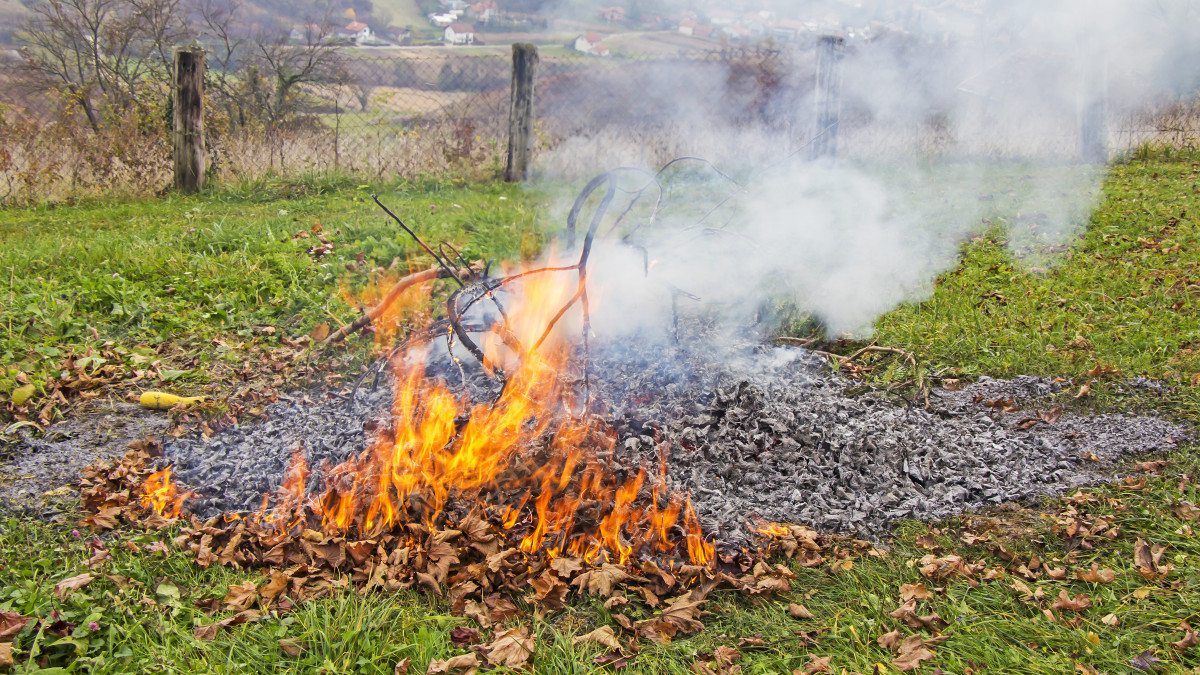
(396, 290)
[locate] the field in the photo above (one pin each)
(190, 285)
(404, 12)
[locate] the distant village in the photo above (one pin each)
(458, 20)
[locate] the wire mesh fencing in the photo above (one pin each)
(385, 112)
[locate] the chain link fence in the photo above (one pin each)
(384, 112)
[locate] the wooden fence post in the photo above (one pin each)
(828, 96)
(189, 119)
(520, 112)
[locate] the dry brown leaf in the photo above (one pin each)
(565, 567)
(816, 664)
(1147, 560)
(241, 597)
(65, 587)
(12, 623)
(1110, 620)
(1150, 467)
(917, 591)
(1077, 604)
(467, 662)
(601, 581)
(402, 666)
(549, 591)
(512, 648)
(6, 657)
(907, 614)
(1096, 575)
(911, 653)
(462, 636)
(797, 611)
(1190, 639)
(1056, 573)
(277, 584)
(889, 641)
(290, 647)
(602, 636)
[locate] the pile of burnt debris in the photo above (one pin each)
(753, 433)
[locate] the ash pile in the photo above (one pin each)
(753, 433)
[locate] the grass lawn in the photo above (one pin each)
(190, 285)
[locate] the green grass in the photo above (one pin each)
(1130, 302)
(158, 277)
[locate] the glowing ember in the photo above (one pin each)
(527, 462)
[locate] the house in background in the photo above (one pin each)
(357, 31)
(482, 11)
(587, 42)
(460, 34)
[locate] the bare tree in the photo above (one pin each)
(314, 60)
(100, 52)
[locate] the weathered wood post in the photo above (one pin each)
(189, 119)
(828, 95)
(520, 112)
(1093, 107)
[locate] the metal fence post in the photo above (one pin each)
(828, 96)
(189, 119)
(520, 112)
(1093, 109)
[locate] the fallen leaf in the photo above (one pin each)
(1145, 661)
(460, 662)
(290, 647)
(602, 580)
(6, 657)
(797, 611)
(1096, 575)
(1150, 467)
(402, 666)
(65, 587)
(889, 641)
(1190, 639)
(512, 648)
(463, 636)
(1110, 620)
(617, 659)
(241, 596)
(911, 653)
(602, 636)
(1077, 604)
(12, 623)
(917, 591)
(816, 664)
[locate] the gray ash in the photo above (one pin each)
(755, 434)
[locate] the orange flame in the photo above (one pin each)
(527, 461)
(160, 494)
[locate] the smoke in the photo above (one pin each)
(953, 120)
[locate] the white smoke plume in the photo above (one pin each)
(946, 126)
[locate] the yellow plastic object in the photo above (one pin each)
(158, 400)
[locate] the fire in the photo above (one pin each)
(162, 495)
(529, 461)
